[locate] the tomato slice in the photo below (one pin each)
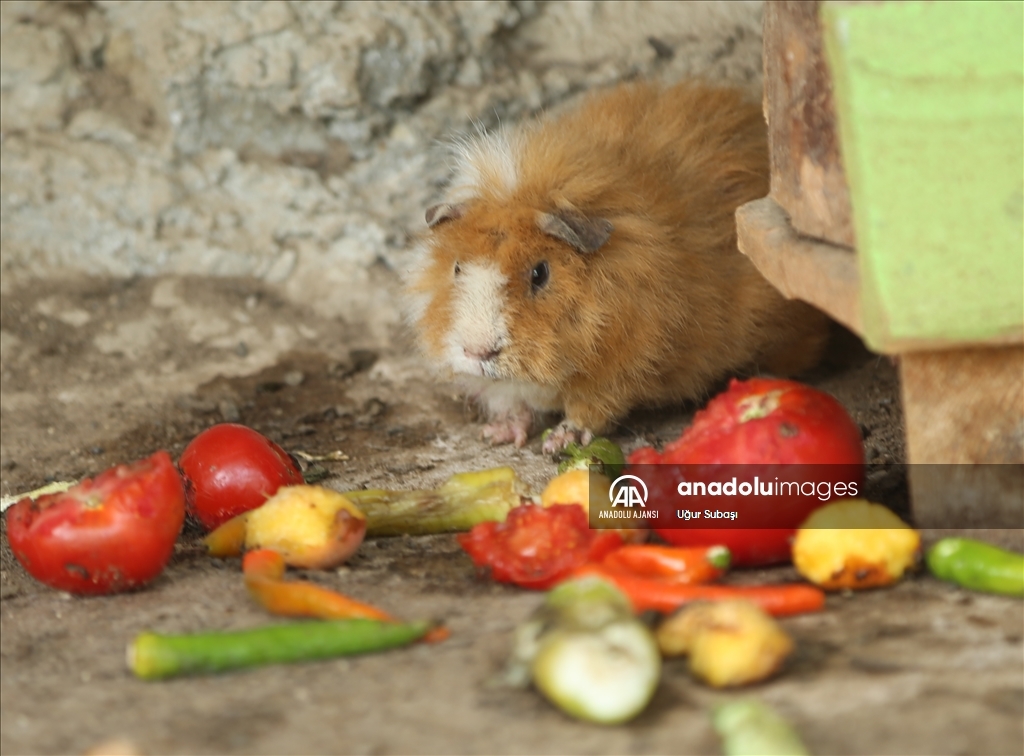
(111, 533)
(537, 547)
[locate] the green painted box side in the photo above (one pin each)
(930, 105)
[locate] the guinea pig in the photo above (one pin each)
(587, 264)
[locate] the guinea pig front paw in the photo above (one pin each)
(563, 434)
(509, 428)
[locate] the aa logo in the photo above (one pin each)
(627, 494)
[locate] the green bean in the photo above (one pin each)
(978, 566)
(152, 656)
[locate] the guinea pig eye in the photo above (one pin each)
(539, 275)
(458, 268)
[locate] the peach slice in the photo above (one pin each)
(310, 526)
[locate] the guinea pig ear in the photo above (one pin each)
(440, 213)
(583, 234)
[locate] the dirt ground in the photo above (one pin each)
(97, 372)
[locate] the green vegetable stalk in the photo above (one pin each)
(750, 728)
(978, 566)
(600, 453)
(588, 654)
(153, 657)
(464, 500)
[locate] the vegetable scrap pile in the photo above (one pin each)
(619, 599)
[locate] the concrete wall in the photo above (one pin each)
(297, 142)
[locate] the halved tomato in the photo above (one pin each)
(106, 534)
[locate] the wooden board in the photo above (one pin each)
(930, 105)
(807, 171)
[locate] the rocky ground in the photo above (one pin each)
(97, 372)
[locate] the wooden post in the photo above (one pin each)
(964, 413)
(807, 177)
(900, 126)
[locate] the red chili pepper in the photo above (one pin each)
(674, 564)
(647, 593)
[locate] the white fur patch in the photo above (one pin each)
(502, 397)
(489, 162)
(478, 319)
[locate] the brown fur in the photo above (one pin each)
(668, 306)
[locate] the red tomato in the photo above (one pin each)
(763, 422)
(108, 534)
(537, 547)
(230, 469)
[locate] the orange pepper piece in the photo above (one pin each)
(227, 539)
(264, 570)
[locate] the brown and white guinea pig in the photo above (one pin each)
(588, 264)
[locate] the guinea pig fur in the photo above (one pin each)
(588, 263)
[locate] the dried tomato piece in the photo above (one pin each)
(537, 547)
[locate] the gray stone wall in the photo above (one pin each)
(297, 142)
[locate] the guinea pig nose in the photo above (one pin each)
(483, 354)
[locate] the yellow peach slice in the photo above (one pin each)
(310, 526)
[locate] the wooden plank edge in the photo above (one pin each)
(815, 272)
(826, 276)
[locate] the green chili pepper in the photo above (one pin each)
(978, 566)
(750, 728)
(152, 656)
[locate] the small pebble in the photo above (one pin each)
(229, 411)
